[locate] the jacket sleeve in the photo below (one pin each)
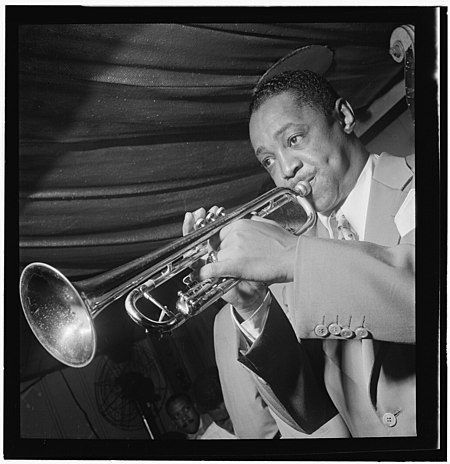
(354, 284)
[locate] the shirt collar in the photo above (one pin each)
(356, 204)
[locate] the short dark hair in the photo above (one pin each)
(207, 390)
(309, 88)
(176, 397)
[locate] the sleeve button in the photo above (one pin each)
(346, 332)
(320, 330)
(335, 329)
(361, 332)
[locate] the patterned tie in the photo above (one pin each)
(344, 229)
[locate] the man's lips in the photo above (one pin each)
(303, 179)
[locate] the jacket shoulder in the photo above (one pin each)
(394, 171)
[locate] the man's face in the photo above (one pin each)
(300, 143)
(184, 415)
(221, 417)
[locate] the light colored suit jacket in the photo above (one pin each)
(369, 284)
(254, 408)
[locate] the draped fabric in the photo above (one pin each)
(125, 127)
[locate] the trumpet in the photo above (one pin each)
(61, 313)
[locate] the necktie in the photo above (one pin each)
(344, 229)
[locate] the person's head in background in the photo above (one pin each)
(183, 413)
(209, 398)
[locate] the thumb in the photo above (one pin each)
(212, 270)
(262, 219)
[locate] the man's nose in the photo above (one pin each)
(289, 164)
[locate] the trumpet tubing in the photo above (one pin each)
(61, 313)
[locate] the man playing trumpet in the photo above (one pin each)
(323, 325)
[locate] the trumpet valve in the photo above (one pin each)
(210, 217)
(183, 304)
(201, 222)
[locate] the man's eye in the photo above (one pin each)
(267, 162)
(294, 140)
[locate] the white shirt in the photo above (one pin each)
(208, 429)
(356, 204)
(252, 327)
(214, 432)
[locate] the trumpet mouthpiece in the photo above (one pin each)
(303, 188)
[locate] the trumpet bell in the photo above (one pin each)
(57, 315)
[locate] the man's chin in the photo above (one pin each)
(322, 207)
(190, 428)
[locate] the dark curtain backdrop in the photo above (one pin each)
(123, 128)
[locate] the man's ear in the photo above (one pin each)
(345, 114)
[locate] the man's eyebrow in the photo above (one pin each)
(284, 128)
(259, 151)
(277, 133)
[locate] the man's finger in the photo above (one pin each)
(188, 223)
(209, 271)
(255, 217)
(198, 214)
(213, 210)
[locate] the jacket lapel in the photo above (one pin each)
(390, 185)
(383, 205)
